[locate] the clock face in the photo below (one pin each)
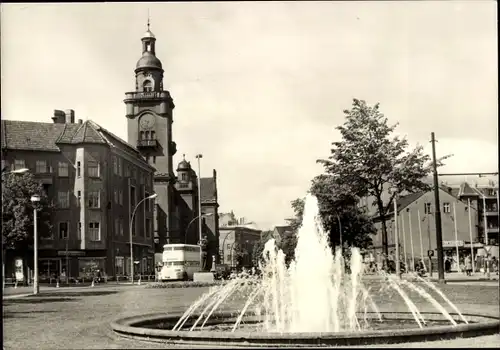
(147, 121)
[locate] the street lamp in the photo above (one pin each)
(154, 195)
(199, 156)
(187, 228)
(35, 199)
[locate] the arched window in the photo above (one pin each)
(147, 86)
(152, 135)
(147, 135)
(141, 135)
(184, 177)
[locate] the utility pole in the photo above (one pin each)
(437, 212)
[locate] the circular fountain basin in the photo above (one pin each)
(394, 328)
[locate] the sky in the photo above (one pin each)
(259, 87)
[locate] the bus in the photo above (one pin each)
(180, 262)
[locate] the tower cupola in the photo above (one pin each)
(148, 61)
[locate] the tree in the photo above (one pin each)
(259, 247)
(298, 209)
(368, 160)
(17, 210)
(340, 214)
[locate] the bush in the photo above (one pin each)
(185, 284)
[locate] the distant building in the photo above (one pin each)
(95, 180)
(237, 239)
(280, 231)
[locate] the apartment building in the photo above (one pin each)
(95, 179)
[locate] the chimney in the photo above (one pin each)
(80, 121)
(59, 117)
(70, 116)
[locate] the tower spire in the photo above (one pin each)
(148, 19)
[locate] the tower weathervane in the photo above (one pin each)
(148, 18)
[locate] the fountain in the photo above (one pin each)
(312, 302)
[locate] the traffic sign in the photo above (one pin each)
(430, 253)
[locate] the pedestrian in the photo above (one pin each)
(468, 265)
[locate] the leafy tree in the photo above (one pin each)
(340, 214)
(17, 211)
(259, 247)
(298, 209)
(287, 244)
(369, 160)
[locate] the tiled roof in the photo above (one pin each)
(405, 201)
(208, 190)
(84, 133)
(30, 136)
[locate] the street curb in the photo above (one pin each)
(16, 296)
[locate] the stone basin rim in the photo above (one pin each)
(125, 327)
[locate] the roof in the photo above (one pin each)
(22, 135)
(283, 229)
(208, 190)
(466, 190)
(404, 201)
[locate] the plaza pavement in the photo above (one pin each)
(79, 318)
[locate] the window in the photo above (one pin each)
(117, 226)
(93, 168)
(63, 230)
(147, 203)
(126, 170)
(132, 197)
(141, 135)
(133, 173)
(141, 177)
(154, 159)
(19, 164)
(63, 199)
(148, 87)
(115, 165)
(120, 197)
(148, 228)
(146, 135)
(491, 192)
(446, 207)
(94, 199)
(79, 198)
(120, 166)
(62, 169)
(79, 233)
(121, 226)
(41, 167)
(94, 232)
(427, 208)
(78, 169)
(116, 196)
(152, 135)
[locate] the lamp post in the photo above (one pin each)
(35, 199)
(154, 195)
(199, 156)
(187, 228)
(18, 171)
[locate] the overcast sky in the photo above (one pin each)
(259, 87)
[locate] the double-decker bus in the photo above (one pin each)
(180, 261)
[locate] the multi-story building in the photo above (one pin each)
(462, 222)
(149, 112)
(95, 179)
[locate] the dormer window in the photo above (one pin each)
(147, 86)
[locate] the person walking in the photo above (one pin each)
(468, 265)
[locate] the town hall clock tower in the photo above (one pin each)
(149, 110)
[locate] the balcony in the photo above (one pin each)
(151, 144)
(150, 95)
